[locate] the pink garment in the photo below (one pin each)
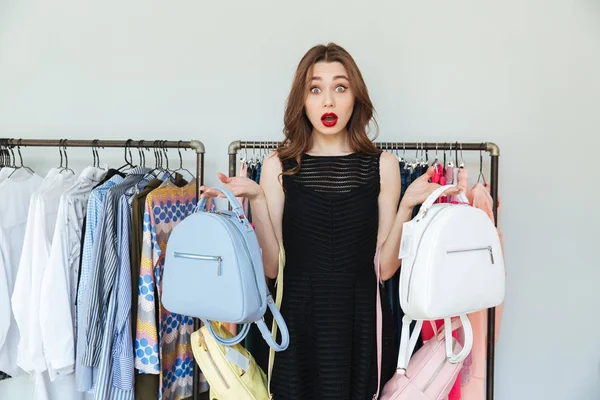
(437, 173)
(449, 175)
(473, 387)
(427, 333)
(446, 180)
(463, 180)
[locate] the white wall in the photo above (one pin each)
(524, 74)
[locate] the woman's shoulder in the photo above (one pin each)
(272, 161)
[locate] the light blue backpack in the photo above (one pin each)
(214, 271)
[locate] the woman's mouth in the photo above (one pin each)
(329, 119)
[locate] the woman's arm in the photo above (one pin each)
(266, 201)
(392, 217)
(267, 214)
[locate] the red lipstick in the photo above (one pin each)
(329, 119)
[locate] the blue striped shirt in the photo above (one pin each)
(84, 374)
(104, 272)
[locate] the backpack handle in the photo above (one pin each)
(434, 196)
(235, 205)
(456, 358)
(262, 326)
(227, 342)
(266, 332)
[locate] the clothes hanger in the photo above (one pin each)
(181, 161)
(66, 167)
(481, 175)
(141, 154)
(402, 159)
(158, 159)
(166, 154)
(1, 153)
(244, 157)
(96, 162)
(462, 161)
(435, 161)
(128, 165)
(450, 163)
(96, 155)
(21, 166)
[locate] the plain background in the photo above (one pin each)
(521, 73)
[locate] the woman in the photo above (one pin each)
(332, 198)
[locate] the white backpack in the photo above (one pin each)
(452, 265)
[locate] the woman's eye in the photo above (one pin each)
(315, 90)
(341, 89)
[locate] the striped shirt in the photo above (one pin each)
(85, 374)
(104, 271)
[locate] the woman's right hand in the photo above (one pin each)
(239, 186)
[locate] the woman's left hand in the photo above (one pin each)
(418, 191)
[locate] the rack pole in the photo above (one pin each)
(489, 147)
(491, 312)
(232, 151)
(197, 145)
(199, 182)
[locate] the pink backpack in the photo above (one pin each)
(430, 375)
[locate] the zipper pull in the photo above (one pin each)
(491, 254)
(219, 266)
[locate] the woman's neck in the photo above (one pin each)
(329, 145)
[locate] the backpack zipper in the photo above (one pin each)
(481, 248)
(211, 359)
(247, 250)
(412, 269)
(192, 256)
(438, 370)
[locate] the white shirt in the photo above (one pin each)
(59, 284)
(41, 221)
(15, 193)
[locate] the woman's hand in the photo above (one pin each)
(239, 186)
(418, 191)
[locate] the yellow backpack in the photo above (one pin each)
(231, 371)
(227, 379)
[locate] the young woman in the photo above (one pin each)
(332, 198)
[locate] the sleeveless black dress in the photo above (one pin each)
(330, 224)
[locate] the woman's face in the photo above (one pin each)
(329, 101)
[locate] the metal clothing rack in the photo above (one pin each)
(195, 145)
(494, 152)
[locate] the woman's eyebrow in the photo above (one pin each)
(318, 78)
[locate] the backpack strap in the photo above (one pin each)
(279, 298)
(408, 342)
(379, 318)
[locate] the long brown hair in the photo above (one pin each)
(297, 127)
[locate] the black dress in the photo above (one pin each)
(330, 226)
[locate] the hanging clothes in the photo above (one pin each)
(59, 283)
(104, 286)
(41, 221)
(85, 374)
(163, 343)
(408, 174)
(473, 385)
(146, 385)
(13, 219)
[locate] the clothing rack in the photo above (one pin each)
(195, 145)
(489, 147)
